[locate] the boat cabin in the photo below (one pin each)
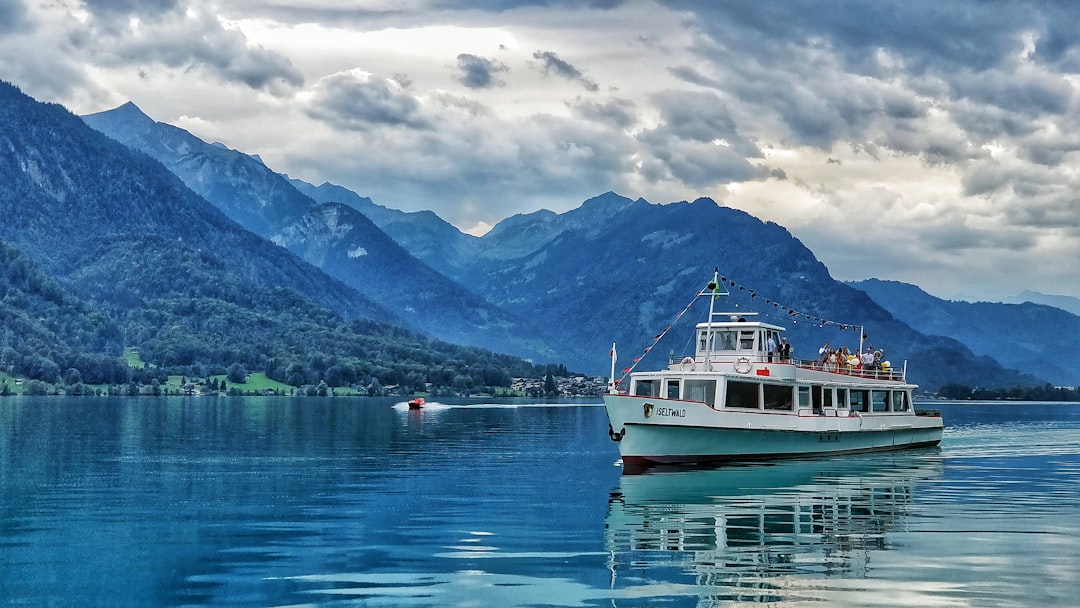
(734, 338)
(732, 369)
(750, 393)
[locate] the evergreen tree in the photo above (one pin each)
(550, 388)
(237, 374)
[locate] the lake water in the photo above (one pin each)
(350, 502)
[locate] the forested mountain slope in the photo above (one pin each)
(120, 253)
(337, 238)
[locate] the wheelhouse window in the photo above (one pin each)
(746, 339)
(701, 390)
(777, 397)
(672, 389)
(725, 340)
(742, 394)
(647, 388)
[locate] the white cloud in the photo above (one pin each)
(879, 133)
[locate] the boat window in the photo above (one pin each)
(775, 337)
(860, 400)
(725, 340)
(647, 388)
(900, 401)
(827, 398)
(746, 340)
(841, 398)
(742, 394)
(701, 342)
(804, 396)
(880, 400)
(701, 390)
(778, 397)
(672, 389)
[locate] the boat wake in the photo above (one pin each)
(427, 405)
(435, 405)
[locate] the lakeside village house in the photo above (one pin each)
(574, 386)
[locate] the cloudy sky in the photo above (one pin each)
(931, 142)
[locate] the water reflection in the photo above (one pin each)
(759, 533)
(330, 502)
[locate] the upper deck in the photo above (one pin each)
(736, 337)
(742, 346)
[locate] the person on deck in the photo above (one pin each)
(868, 358)
(785, 350)
(823, 353)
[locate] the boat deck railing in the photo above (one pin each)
(880, 372)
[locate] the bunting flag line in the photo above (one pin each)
(627, 370)
(714, 290)
(791, 311)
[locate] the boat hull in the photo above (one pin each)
(651, 431)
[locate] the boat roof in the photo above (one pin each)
(737, 320)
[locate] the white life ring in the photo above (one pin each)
(743, 365)
(687, 364)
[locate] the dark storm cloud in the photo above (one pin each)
(861, 67)
(929, 34)
(1024, 92)
(617, 112)
(701, 117)
(172, 38)
(130, 7)
(499, 6)
(359, 102)
(693, 76)
(478, 72)
(694, 163)
(552, 63)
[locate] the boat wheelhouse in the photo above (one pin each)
(737, 397)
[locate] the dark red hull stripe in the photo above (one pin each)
(702, 458)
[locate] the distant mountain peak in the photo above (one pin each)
(1066, 303)
(607, 199)
(128, 112)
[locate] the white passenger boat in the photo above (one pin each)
(732, 400)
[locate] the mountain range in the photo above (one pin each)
(1066, 303)
(1024, 336)
(612, 269)
(105, 249)
(546, 286)
(337, 238)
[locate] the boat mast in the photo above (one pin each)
(714, 287)
(612, 386)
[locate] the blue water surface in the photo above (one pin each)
(362, 502)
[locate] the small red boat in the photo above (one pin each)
(415, 404)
